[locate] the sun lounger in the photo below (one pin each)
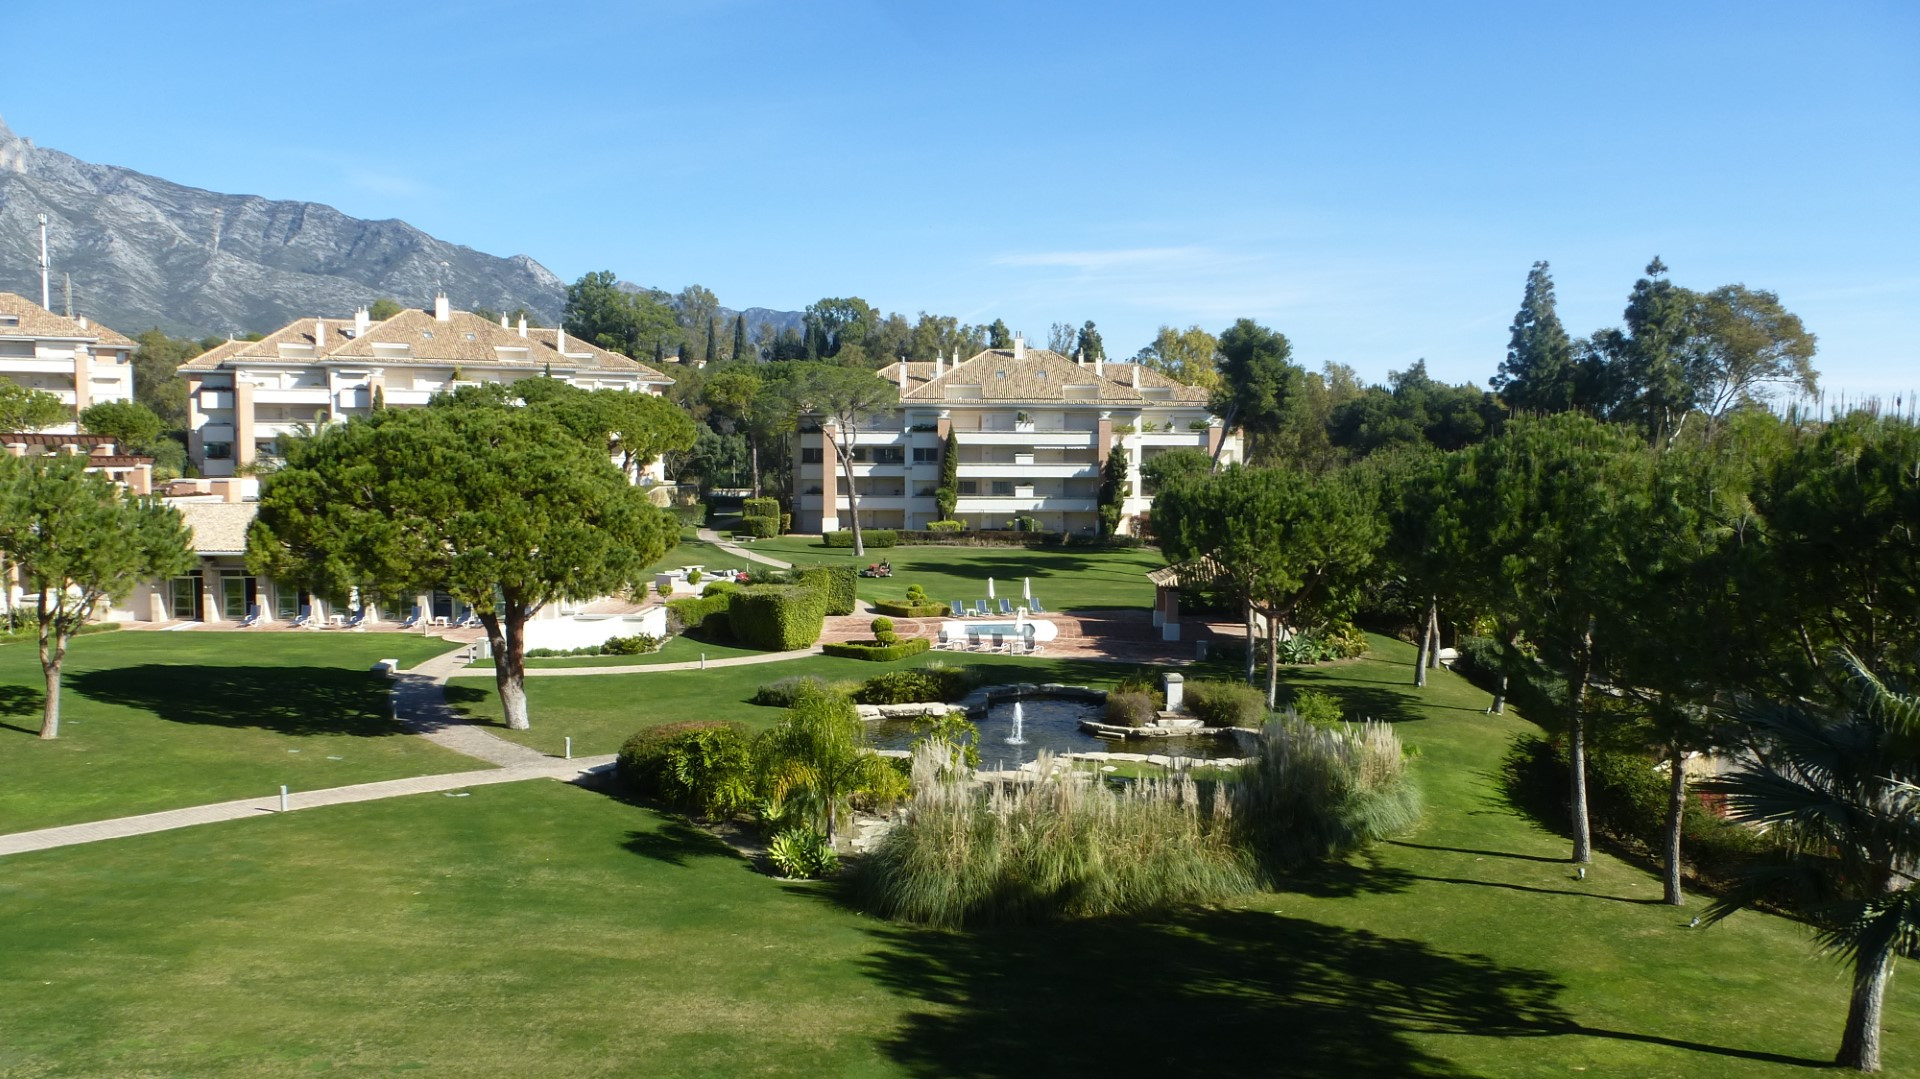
(980, 608)
(305, 617)
(414, 618)
(253, 616)
(1033, 606)
(959, 609)
(1006, 607)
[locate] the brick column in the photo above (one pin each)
(829, 483)
(82, 379)
(243, 453)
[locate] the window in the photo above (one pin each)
(810, 455)
(925, 455)
(969, 487)
(286, 602)
(1003, 488)
(858, 455)
(185, 597)
(219, 451)
(889, 455)
(233, 597)
(428, 334)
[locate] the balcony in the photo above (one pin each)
(1177, 438)
(1060, 439)
(304, 395)
(1038, 504)
(1065, 470)
(405, 398)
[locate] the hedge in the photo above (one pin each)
(840, 584)
(880, 653)
(978, 538)
(908, 610)
(760, 507)
(916, 686)
(872, 537)
(946, 526)
(696, 614)
(1226, 704)
(777, 618)
(760, 527)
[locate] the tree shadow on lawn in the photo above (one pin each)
(1245, 992)
(286, 700)
(676, 842)
(20, 701)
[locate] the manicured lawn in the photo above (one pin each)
(692, 551)
(536, 929)
(599, 712)
(155, 721)
(676, 650)
(1064, 578)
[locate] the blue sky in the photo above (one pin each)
(1372, 179)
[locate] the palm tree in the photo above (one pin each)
(817, 758)
(1837, 789)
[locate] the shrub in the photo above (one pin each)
(872, 537)
(662, 589)
(934, 682)
(882, 628)
(916, 596)
(691, 516)
(1311, 793)
(709, 770)
(642, 757)
(946, 526)
(777, 618)
(840, 585)
(879, 653)
(1130, 709)
(639, 644)
(816, 759)
(694, 576)
(759, 527)
(783, 693)
(1345, 641)
(1143, 680)
(908, 610)
(760, 507)
(802, 853)
(1319, 709)
(719, 588)
(1226, 704)
(1064, 847)
(697, 614)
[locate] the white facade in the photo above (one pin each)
(244, 395)
(1033, 430)
(79, 362)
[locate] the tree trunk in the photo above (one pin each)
(1676, 820)
(509, 666)
(50, 712)
(53, 650)
(1273, 660)
(853, 498)
(1420, 657)
(1433, 631)
(753, 456)
(1577, 747)
(1250, 639)
(1860, 1045)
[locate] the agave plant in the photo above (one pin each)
(1836, 789)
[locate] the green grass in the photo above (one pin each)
(693, 551)
(154, 721)
(536, 929)
(599, 712)
(676, 650)
(1072, 578)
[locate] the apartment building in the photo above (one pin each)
(1033, 430)
(243, 395)
(74, 359)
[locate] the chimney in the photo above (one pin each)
(1079, 358)
(442, 311)
(940, 362)
(903, 375)
(1099, 367)
(319, 334)
(503, 322)
(560, 340)
(523, 325)
(361, 320)
(83, 322)
(1019, 347)
(1136, 376)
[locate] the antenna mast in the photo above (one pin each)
(66, 280)
(46, 300)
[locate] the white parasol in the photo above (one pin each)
(990, 588)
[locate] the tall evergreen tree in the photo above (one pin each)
(1538, 374)
(999, 336)
(739, 337)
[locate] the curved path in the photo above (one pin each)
(734, 549)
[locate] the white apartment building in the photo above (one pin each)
(1033, 430)
(78, 361)
(243, 395)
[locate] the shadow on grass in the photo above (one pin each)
(1482, 853)
(20, 701)
(287, 700)
(676, 842)
(1245, 992)
(1365, 874)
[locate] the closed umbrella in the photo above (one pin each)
(1026, 589)
(990, 588)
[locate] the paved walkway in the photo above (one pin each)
(420, 704)
(637, 668)
(738, 551)
(121, 827)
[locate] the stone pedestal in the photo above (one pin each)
(1176, 692)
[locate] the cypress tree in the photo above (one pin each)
(740, 337)
(1538, 374)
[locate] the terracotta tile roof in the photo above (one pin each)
(1040, 375)
(218, 527)
(37, 321)
(464, 339)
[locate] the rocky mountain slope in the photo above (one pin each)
(144, 252)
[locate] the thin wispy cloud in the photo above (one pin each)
(1128, 258)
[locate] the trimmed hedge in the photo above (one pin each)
(872, 537)
(699, 614)
(760, 527)
(840, 585)
(879, 653)
(777, 618)
(1226, 704)
(946, 526)
(760, 507)
(643, 754)
(719, 588)
(903, 610)
(916, 686)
